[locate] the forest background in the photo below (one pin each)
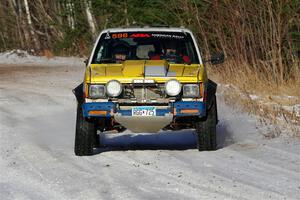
(260, 38)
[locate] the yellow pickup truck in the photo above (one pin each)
(145, 79)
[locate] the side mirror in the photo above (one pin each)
(217, 59)
(86, 61)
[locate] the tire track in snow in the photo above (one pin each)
(46, 163)
(187, 186)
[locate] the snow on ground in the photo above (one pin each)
(22, 58)
(293, 109)
(37, 125)
(284, 110)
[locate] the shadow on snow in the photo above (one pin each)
(164, 140)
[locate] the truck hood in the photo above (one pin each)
(158, 70)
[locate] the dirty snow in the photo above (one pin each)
(254, 97)
(23, 58)
(37, 124)
(293, 109)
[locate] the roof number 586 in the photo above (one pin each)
(120, 35)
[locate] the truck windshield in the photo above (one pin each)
(116, 47)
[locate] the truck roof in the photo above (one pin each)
(137, 29)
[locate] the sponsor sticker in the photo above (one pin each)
(140, 35)
(159, 35)
(143, 35)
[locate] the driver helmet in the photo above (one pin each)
(121, 51)
(170, 52)
(170, 47)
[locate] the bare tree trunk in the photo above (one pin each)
(2, 24)
(3, 40)
(70, 15)
(90, 18)
(126, 14)
(59, 18)
(14, 8)
(35, 40)
(23, 24)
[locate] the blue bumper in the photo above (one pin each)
(177, 109)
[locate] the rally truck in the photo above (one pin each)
(145, 79)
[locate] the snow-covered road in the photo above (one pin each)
(37, 123)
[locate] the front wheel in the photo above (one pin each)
(85, 135)
(206, 130)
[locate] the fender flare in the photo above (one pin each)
(210, 91)
(78, 92)
(211, 96)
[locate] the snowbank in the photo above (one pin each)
(19, 57)
(282, 110)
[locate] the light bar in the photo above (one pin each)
(143, 81)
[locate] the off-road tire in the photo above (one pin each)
(206, 130)
(85, 135)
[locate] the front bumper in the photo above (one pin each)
(176, 109)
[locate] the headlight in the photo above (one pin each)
(173, 87)
(96, 91)
(113, 88)
(191, 90)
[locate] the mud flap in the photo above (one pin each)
(211, 90)
(211, 95)
(78, 92)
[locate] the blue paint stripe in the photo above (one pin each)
(108, 106)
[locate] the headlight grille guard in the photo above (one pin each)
(156, 89)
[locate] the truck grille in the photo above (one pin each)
(143, 93)
(146, 93)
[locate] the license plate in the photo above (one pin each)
(144, 111)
